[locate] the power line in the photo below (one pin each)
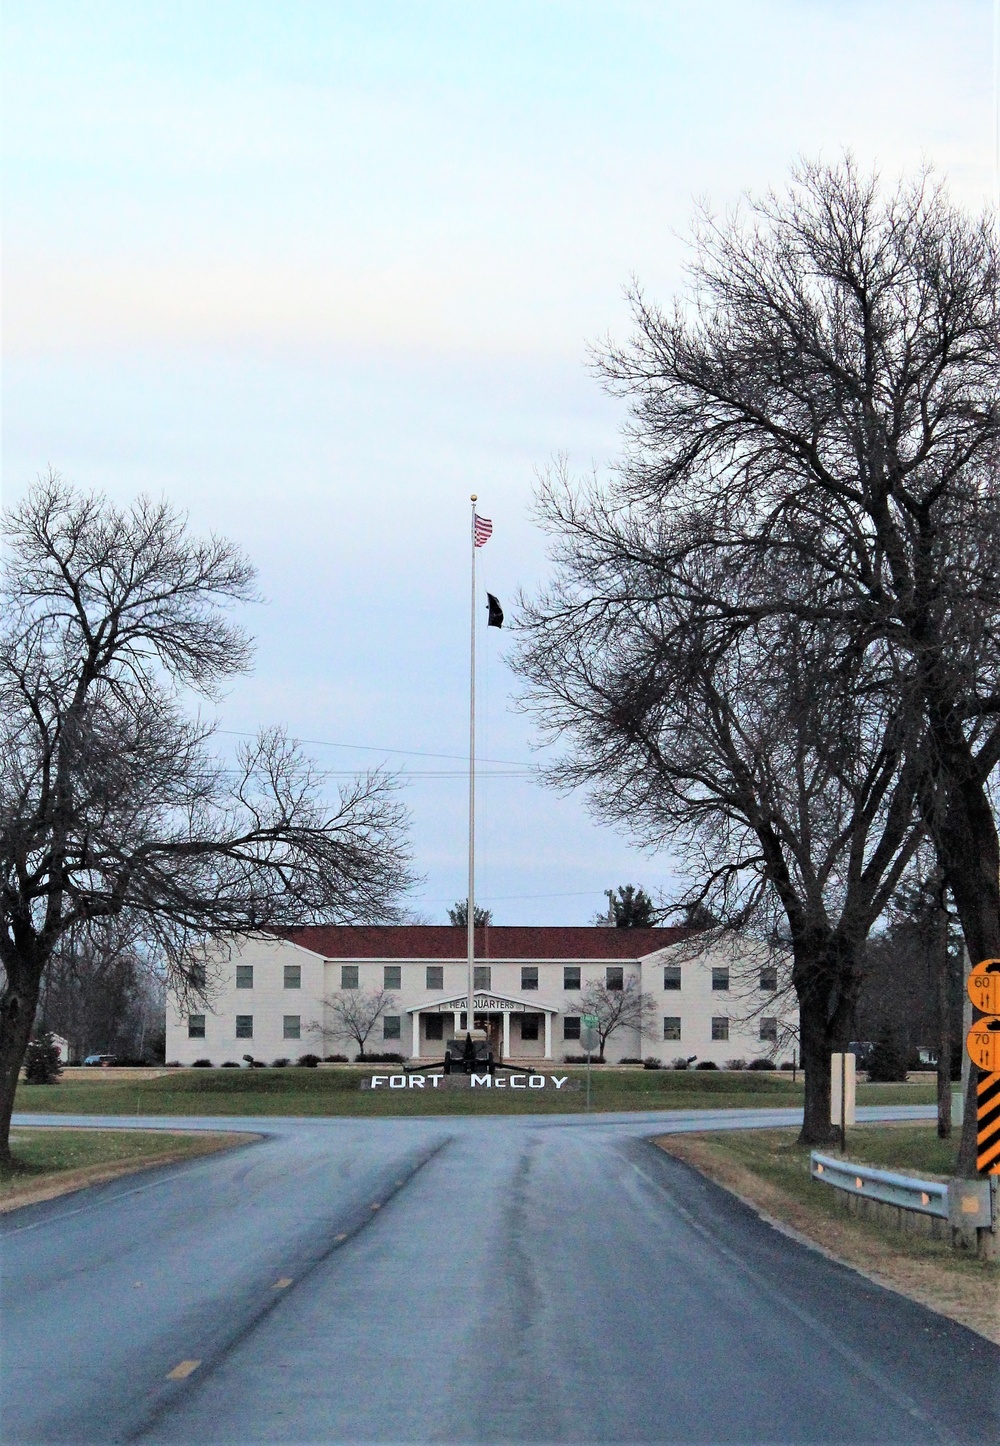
(372, 748)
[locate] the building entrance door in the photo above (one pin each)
(493, 1024)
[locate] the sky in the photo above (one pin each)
(317, 271)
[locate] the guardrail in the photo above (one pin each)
(925, 1197)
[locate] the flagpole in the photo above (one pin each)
(471, 921)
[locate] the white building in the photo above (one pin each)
(266, 995)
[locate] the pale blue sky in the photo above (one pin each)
(316, 271)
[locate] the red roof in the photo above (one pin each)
(446, 941)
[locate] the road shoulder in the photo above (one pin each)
(177, 1147)
(945, 1287)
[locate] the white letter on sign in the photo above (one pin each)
(378, 1079)
(481, 1079)
(536, 1081)
(397, 1081)
(517, 1082)
(417, 1080)
(559, 1082)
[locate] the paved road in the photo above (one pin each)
(525, 1279)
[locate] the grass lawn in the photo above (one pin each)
(296, 1091)
(771, 1170)
(50, 1162)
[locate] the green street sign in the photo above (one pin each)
(590, 1021)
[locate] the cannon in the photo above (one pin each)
(470, 1056)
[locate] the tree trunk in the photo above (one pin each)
(18, 1005)
(815, 1042)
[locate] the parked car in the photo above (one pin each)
(100, 1060)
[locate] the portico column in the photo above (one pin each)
(456, 1015)
(506, 1034)
(416, 1034)
(548, 1035)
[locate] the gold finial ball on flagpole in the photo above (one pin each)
(473, 498)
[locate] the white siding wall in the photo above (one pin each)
(267, 1003)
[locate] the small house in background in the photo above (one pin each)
(270, 997)
(62, 1045)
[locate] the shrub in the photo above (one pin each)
(202, 1064)
(335, 1059)
(761, 1064)
(679, 1063)
(42, 1064)
(582, 1059)
(786, 1064)
(128, 1063)
(888, 1063)
(172, 1064)
(736, 1064)
(651, 1062)
(706, 1064)
(630, 1059)
(230, 1064)
(280, 1063)
(391, 1058)
(309, 1061)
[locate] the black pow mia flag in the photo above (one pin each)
(495, 619)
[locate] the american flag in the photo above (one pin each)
(483, 530)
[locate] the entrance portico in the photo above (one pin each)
(489, 1010)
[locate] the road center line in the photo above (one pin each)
(182, 1370)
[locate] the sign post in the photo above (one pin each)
(590, 1039)
(842, 1093)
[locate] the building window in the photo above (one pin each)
(293, 976)
(244, 976)
(392, 1026)
(769, 1030)
(348, 976)
(198, 974)
(571, 976)
(435, 1025)
(435, 980)
(615, 976)
(196, 1026)
(720, 1027)
(529, 1026)
(481, 976)
(671, 976)
(529, 976)
(392, 977)
(720, 979)
(671, 1026)
(292, 1026)
(571, 1027)
(244, 1026)
(769, 980)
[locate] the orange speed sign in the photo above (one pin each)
(983, 1044)
(983, 985)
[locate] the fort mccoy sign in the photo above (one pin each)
(483, 1081)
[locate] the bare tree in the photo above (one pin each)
(614, 1009)
(771, 756)
(829, 395)
(111, 803)
(353, 1014)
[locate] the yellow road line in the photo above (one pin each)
(283, 1283)
(182, 1369)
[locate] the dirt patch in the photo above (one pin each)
(34, 1189)
(963, 1290)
